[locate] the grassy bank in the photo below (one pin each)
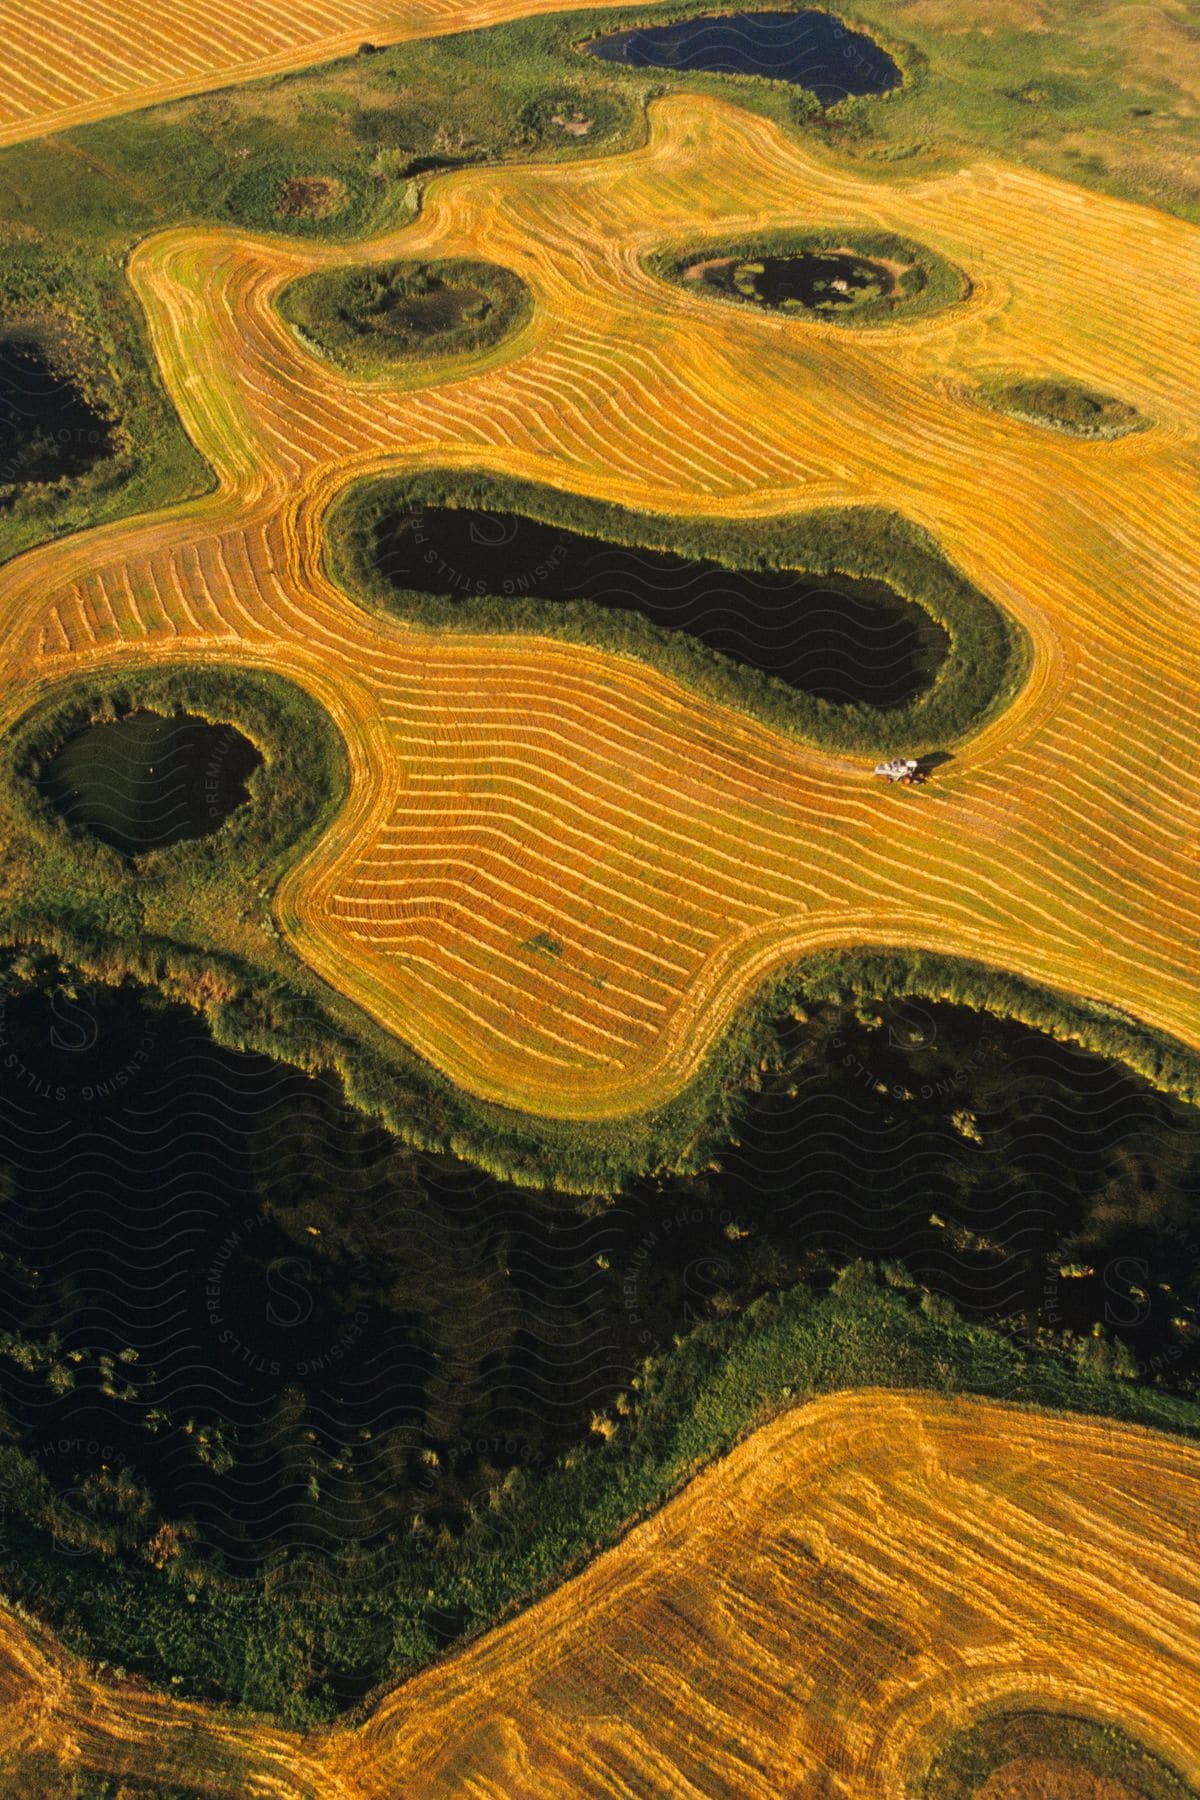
(986, 663)
(279, 1647)
(925, 282)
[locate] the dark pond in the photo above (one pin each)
(814, 50)
(821, 280)
(47, 428)
(339, 1340)
(838, 639)
(148, 780)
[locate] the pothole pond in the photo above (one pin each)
(48, 429)
(837, 638)
(814, 50)
(148, 780)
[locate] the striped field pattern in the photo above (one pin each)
(110, 56)
(504, 788)
(815, 1615)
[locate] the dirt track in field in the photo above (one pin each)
(111, 56)
(809, 1618)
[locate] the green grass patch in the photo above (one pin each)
(1060, 405)
(1103, 1751)
(371, 319)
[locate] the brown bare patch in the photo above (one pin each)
(695, 270)
(311, 197)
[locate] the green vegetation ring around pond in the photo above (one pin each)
(839, 276)
(301, 782)
(1061, 405)
(1016, 1746)
(278, 194)
(984, 668)
(110, 442)
(375, 318)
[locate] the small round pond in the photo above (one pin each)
(822, 280)
(48, 430)
(812, 49)
(840, 639)
(147, 780)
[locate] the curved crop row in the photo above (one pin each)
(856, 1583)
(678, 851)
(121, 54)
(987, 659)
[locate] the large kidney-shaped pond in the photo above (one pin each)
(814, 50)
(841, 639)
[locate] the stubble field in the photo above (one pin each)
(814, 1616)
(115, 56)
(676, 850)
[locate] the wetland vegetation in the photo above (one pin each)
(1011, 1753)
(359, 1398)
(50, 431)
(377, 317)
(848, 277)
(1065, 406)
(884, 643)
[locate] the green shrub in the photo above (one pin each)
(376, 316)
(1062, 405)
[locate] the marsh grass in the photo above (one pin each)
(371, 318)
(1061, 405)
(922, 280)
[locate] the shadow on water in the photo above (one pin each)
(47, 428)
(814, 50)
(839, 638)
(280, 1324)
(147, 780)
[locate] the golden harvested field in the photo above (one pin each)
(678, 851)
(810, 1617)
(109, 56)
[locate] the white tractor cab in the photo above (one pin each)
(902, 769)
